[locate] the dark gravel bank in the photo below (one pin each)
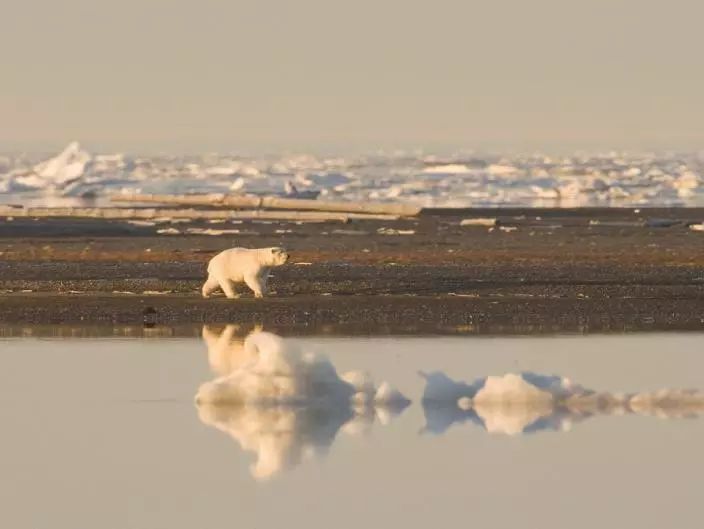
(534, 271)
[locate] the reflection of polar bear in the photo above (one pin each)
(240, 264)
(226, 351)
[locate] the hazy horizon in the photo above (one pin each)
(177, 76)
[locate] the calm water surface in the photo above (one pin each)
(104, 433)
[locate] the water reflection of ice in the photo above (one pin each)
(280, 436)
(527, 403)
(283, 404)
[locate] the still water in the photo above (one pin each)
(105, 433)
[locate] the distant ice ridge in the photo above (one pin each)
(285, 405)
(52, 174)
(463, 179)
(66, 167)
(72, 172)
(521, 403)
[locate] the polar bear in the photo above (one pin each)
(241, 264)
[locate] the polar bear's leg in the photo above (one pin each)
(254, 283)
(226, 286)
(263, 281)
(210, 286)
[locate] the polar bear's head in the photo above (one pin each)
(275, 256)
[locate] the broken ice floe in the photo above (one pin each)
(278, 372)
(283, 404)
(462, 180)
(521, 403)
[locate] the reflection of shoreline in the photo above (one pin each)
(285, 405)
(526, 403)
(175, 312)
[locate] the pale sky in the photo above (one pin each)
(192, 76)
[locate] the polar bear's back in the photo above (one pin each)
(234, 261)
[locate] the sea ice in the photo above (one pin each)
(277, 372)
(283, 404)
(517, 403)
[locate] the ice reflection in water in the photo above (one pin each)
(283, 404)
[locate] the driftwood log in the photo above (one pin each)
(185, 213)
(246, 201)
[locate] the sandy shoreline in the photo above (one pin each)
(584, 270)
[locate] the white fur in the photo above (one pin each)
(238, 265)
